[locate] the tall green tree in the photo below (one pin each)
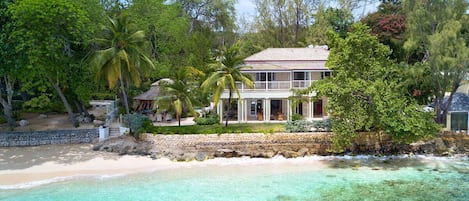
(365, 93)
(50, 33)
(122, 59)
(436, 31)
(9, 61)
(336, 19)
(228, 67)
(177, 94)
(283, 23)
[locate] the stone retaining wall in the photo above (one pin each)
(288, 145)
(35, 138)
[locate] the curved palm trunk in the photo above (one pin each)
(179, 119)
(64, 100)
(124, 96)
(229, 110)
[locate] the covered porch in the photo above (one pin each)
(270, 110)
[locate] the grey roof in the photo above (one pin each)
(290, 54)
(460, 102)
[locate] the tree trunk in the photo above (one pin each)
(124, 97)
(447, 105)
(83, 108)
(229, 110)
(179, 119)
(77, 105)
(7, 104)
(64, 100)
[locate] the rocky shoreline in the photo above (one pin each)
(288, 145)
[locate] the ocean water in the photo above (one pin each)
(311, 178)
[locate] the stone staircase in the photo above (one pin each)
(114, 130)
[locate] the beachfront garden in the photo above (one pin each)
(68, 53)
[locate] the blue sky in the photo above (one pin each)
(245, 7)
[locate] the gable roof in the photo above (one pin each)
(290, 54)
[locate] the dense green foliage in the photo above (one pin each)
(122, 57)
(56, 41)
(52, 35)
(61, 46)
(437, 39)
(364, 93)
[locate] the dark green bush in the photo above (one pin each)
(322, 125)
(136, 122)
(298, 126)
(3, 120)
(209, 119)
(296, 117)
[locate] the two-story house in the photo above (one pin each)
(276, 72)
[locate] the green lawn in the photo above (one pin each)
(218, 129)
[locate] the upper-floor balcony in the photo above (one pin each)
(276, 85)
(282, 81)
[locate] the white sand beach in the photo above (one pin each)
(23, 165)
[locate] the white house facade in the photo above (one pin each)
(276, 73)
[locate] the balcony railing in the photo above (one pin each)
(275, 85)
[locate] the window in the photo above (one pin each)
(325, 74)
(264, 76)
(299, 75)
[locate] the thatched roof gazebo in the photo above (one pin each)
(146, 99)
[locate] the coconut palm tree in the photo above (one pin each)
(176, 93)
(123, 58)
(228, 71)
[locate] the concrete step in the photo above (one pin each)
(114, 131)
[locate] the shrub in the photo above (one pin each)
(137, 123)
(3, 120)
(298, 126)
(322, 125)
(296, 117)
(209, 119)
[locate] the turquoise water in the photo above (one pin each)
(338, 178)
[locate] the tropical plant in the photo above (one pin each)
(123, 57)
(228, 71)
(8, 63)
(365, 93)
(49, 36)
(136, 123)
(437, 38)
(176, 93)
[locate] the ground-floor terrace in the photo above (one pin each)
(271, 109)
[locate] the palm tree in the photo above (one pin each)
(176, 93)
(123, 58)
(228, 71)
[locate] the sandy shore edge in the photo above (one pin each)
(26, 167)
(98, 166)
